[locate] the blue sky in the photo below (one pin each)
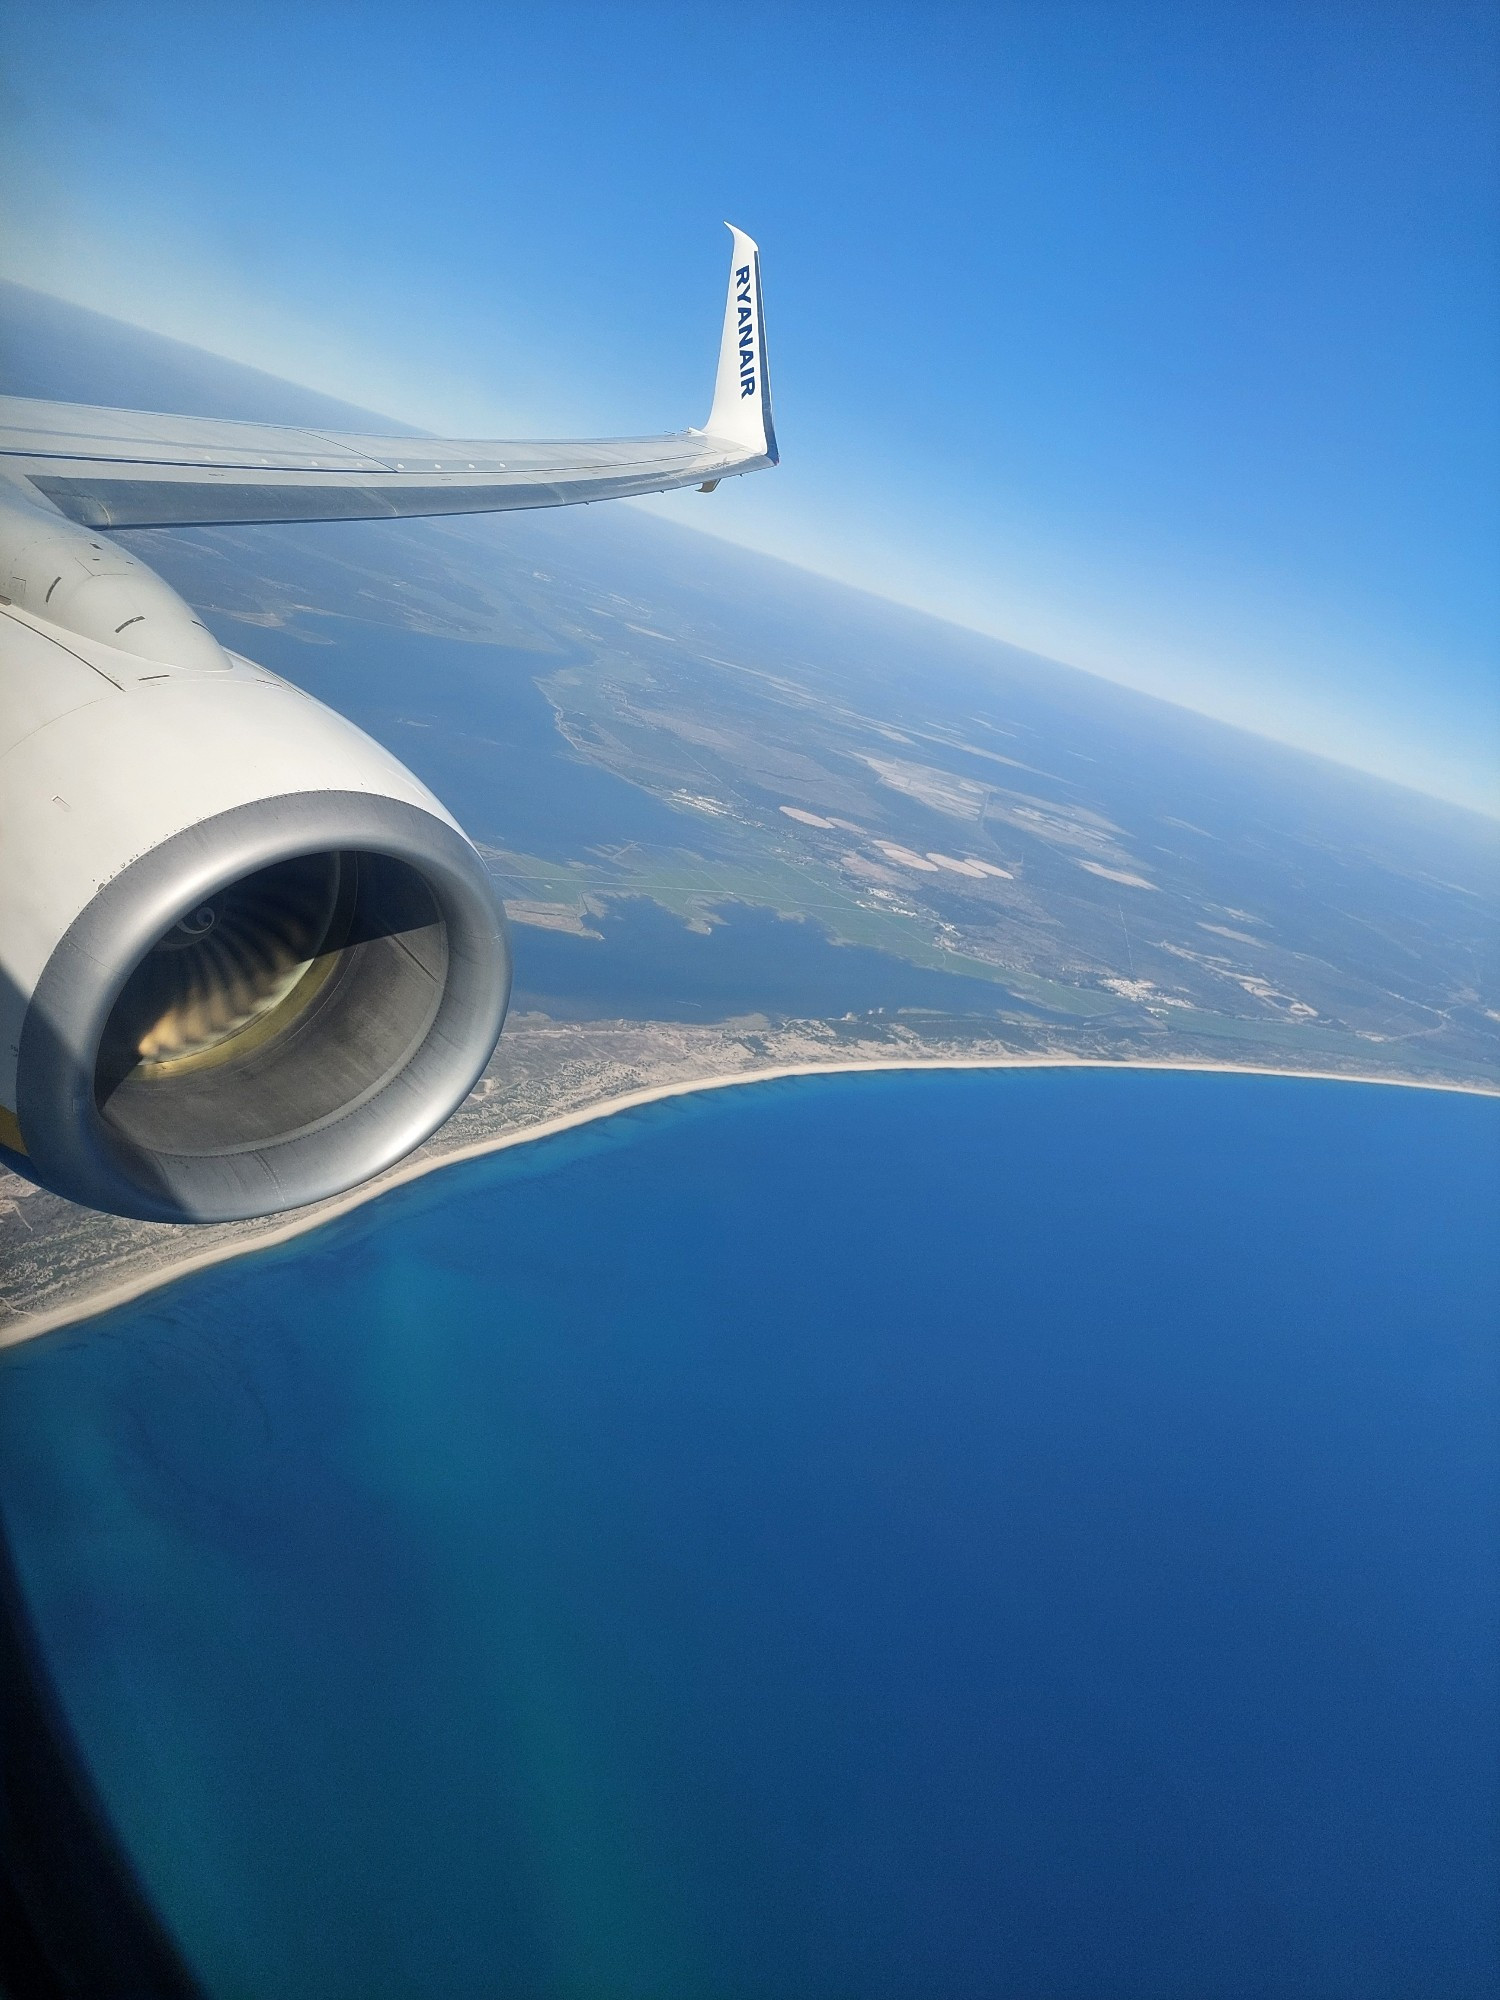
(1162, 339)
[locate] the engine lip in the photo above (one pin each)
(76, 1152)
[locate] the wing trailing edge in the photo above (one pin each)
(109, 468)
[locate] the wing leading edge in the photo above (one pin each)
(128, 469)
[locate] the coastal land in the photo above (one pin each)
(60, 1264)
(749, 823)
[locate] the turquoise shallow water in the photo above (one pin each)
(1032, 1533)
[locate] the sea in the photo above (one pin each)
(1030, 1533)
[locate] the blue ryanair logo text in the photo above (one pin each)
(747, 330)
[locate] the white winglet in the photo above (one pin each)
(742, 394)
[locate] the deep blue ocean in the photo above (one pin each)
(885, 1538)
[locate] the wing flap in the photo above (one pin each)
(363, 480)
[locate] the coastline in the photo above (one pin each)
(302, 1222)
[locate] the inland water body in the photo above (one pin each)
(1016, 1534)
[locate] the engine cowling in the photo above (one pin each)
(246, 958)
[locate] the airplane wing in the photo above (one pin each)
(128, 469)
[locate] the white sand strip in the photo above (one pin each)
(300, 1223)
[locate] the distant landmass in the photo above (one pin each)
(742, 815)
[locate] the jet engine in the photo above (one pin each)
(246, 958)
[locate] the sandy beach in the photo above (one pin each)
(298, 1223)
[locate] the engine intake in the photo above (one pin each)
(252, 1017)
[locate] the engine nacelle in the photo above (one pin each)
(246, 958)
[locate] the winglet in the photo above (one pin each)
(742, 394)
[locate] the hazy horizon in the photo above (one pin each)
(671, 517)
(1156, 339)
